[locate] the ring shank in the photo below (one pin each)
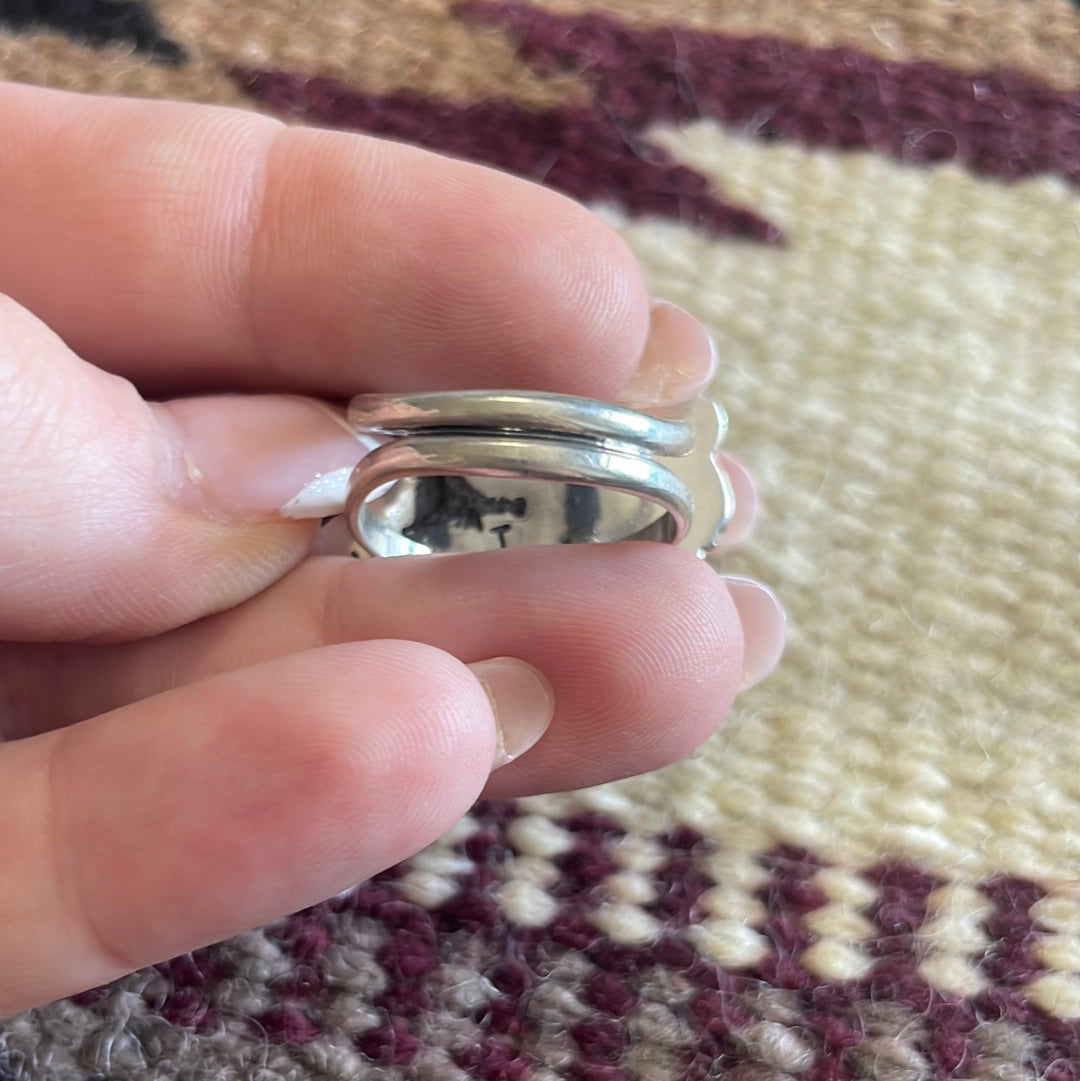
(430, 492)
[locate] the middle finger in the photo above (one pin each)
(643, 644)
(188, 247)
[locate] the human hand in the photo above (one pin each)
(205, 726)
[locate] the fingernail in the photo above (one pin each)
(246, 457)
(679, 360)
(764, 625)
(741, 525)
(522, 701)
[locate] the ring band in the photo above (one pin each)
(478, 470)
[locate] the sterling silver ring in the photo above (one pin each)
(478, 470)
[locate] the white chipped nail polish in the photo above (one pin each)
(256, 456)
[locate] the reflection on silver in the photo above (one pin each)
(478, 470)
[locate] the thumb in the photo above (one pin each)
(119, 518)
(208, 810)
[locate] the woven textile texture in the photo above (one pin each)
(874, 870)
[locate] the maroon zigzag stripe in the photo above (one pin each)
(1002, 124)
(575, 150)
(827, 1016)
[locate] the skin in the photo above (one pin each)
(187, 701)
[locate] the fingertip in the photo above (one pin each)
(556, 300)
(482, 279)
(402, 724)
(592, 331)
(647, 680)
(698, 612)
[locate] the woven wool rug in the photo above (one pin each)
(874, 870)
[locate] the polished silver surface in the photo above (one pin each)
(513, 411)
(478, 470)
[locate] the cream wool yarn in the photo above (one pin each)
(874, 870)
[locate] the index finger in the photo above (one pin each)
(191, 247)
